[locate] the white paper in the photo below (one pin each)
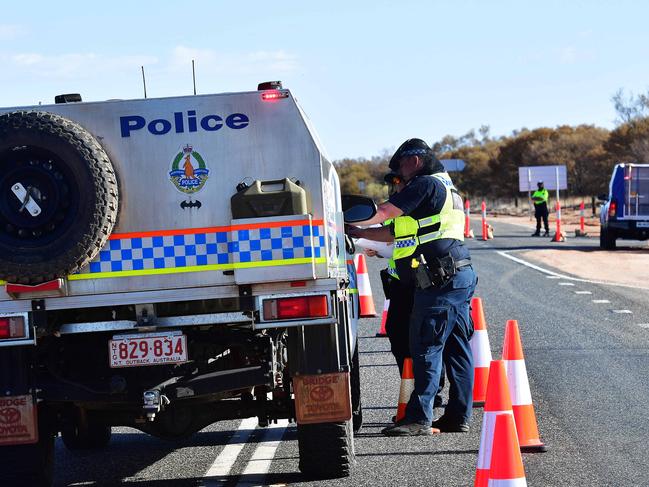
(384, 249)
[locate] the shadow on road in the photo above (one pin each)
(128, 454)
(562, 246)
(224, 481)
(415, 453)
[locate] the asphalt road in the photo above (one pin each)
(587, 356)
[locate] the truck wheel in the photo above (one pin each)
(93, 436)
(58, 197)
(30, 465)
(355, 384)
(607, 239)
(326, 449)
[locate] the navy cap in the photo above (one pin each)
(411, 147)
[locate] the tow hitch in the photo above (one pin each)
(154, 402)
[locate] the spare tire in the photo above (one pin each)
(58, 197)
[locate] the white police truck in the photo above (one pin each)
(166, 264)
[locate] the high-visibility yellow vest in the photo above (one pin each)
(392, 267)
(541, 194)
(448, 223)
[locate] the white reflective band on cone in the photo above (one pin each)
(363, 283)
(487, 438)
(508, 483)
(479, 344)
(405, 391)
(519, 387)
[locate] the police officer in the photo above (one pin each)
(428, 232)
(401, 295)
(540, 199)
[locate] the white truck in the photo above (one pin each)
(169, 263)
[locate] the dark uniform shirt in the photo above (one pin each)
(423, 197)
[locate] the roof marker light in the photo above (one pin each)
(274, 95)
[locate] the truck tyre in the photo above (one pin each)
(93, 436)
(58, 197)
(326, 449)
(355, 384)
(606, 239)
(30, 465)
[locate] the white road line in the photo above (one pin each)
(263, 455)
(622, 311)
(583, 292)
(643, 325)
(225, 461)
(566, 284)
(600, 301)
(505, 253)
(553, 277)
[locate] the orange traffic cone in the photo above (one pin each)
(519, 386)
(407, 386)
(506, 462)
(364, 290)
(384, 319)
(481, 353)
(498, 402)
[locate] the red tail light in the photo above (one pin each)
(5, 330)
(612, 208)
(12, 327)
(298, 307)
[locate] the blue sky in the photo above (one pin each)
(369, 73)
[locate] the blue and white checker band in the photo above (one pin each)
(279, 245)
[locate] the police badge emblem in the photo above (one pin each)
(188, 172)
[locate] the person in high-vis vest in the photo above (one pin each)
(430, 252)
(540, 198)
(401, 296)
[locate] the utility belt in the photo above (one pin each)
(438, 273)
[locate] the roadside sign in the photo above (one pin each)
(453, 165)
(528, 176)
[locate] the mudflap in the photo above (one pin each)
(319, 361)
(322, 398)
(18, 420)
(18, 411)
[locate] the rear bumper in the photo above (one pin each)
(629, 229)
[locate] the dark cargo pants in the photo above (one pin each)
(440, 330)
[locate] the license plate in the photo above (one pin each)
(147, 349)
(642, 224)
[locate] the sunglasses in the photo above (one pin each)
(395, 180)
